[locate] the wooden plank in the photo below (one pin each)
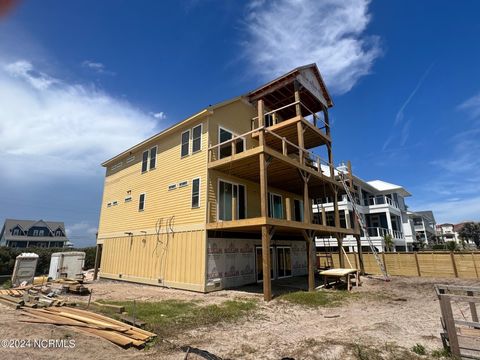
(447, 316)
(454, 265)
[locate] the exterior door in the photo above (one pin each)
(259, 263)
(226, 193)
(284, 262)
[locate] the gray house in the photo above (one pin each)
(33, 233)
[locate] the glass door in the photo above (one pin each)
(259, 263)
(226, 193)
(284, 262)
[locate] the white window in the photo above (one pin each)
(16, 231)
(35, 232)
(275, 206)
(41, 232)
(153, 157)
(185, 143)
(58, 233)
(226, 149)
(182, 184)
(196, 193)
(172, 187)
(145, 161)
(141, 202)
(197, 138)
(128, 199)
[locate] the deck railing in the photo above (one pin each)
(382, 232)
(275, 117)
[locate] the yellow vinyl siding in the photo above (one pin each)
(253, 194)
(174, 259)
(160, 203)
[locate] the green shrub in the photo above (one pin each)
(419, 349)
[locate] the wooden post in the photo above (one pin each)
(384, 262)
(475, 264)
(360, 254)
(263, 186)
(284, 147)
(311, 260)
(261, 122)
(234, 207)
(335, 207)
(447, 316)
(307, 205)
(98, 256)
(301, 143)
(330, 160)
(288, 207)
(341, 259)
(350, 175)
(454, 265)
(418, 265)
(298, 108)
(266, 261)
(473, 308)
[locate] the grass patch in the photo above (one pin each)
(170, 317)
(419, 349)
(318, 298)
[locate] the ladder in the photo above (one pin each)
(361, 221)
(327, 254)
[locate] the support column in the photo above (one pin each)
(301, 142)
(266, 264)
(324, 217)
(335, 207)
(307, 206)
(261, 121)
(360, 254)
(263, 186)
(288, 207)
(98, 256)
(309, 237)
(347, 218)
(340, 251)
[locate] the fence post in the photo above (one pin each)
(418, 265)
(384, 262)
(454, 265)
(474, 264)
(447, 315)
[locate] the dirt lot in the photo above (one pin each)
(384, 321)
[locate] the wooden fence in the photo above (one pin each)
(465, 265)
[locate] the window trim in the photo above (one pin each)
(150, 158)
(183, 184)
(172, 187)
(193, 139)
(144, 201)
(191, 193)
(220, 128)
(181, 144)
(270, 194)
(218, 196)
(147, 160)
(128, 198)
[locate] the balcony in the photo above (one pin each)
(380, 200)
(378, 232)
(284, 122)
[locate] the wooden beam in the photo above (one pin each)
(266, 264)
(360, 254)
(263, 186)
(261, 121)
(98, 256)
(288, 207)
(340, 250)
(309, 237)
(335, 207)
(307, 204)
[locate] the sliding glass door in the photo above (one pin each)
(231, 201)
(284, 262)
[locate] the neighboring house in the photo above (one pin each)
(33, 233)
(424, 226)
(383, 207)
(223, 198)
(450, 232)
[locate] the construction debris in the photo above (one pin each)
(91, 323)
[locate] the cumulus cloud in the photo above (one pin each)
(97, 67)
(49, 127)
(285, 34)
(159, 115)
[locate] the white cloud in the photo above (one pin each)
(472, 106)
(452, 210)
(81, 233)
(159, 115)
(97, 67)
(288, 33)
(49, 127)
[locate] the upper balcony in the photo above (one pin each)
(380, 200)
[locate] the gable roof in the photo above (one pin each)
(10, 224)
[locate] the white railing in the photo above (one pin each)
(381, 200)
(381, 232)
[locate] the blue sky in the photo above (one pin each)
(82, 80)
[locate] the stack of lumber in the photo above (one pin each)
(73, 286)
(12, 301)
(11, 292)
(91, 323)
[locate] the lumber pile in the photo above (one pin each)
(90, 323)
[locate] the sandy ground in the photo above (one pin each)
(403, 312)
